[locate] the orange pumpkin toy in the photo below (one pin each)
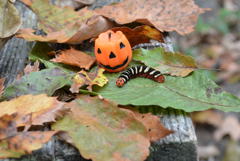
(113, 51)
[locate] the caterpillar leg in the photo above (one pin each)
(139, 71)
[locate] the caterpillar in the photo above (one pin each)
(139, 71)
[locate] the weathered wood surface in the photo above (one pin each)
(13, 55)
(180, 146)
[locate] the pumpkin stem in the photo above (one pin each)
(109, 35)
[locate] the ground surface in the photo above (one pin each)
(216, 45)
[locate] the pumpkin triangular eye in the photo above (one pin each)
(99, 51)
(112, 55)
(122, 45)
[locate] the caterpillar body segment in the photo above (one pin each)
(139, 71)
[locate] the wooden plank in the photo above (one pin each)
(180, 146)
(14, 54)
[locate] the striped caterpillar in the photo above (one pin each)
(139, 71)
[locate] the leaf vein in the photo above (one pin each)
(197, 100)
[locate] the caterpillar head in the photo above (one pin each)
(120, 82)
(160, 79)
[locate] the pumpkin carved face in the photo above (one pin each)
(113, 51)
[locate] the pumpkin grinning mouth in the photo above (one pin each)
(115, 67)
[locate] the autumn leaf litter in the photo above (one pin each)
(100, 120)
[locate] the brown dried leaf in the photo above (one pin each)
(211, 117)
(7, 126)
(2, 80)
(31, 68)
(75, 57)
(165, 15)
(64, 25)
(28, 34)
(78, 81)
(140, 34)
(33, 110)
(103, 132)
(153, 125)
(15, 144)
(29, 141)
(24, 143)
(92, 28)
(229, 126)
(92, 78)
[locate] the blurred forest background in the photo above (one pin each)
(215, 44)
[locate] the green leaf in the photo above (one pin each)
(44, 81)
(40, 50)
(193, 93)
(103, 132)
(175, 64)
(64, 24)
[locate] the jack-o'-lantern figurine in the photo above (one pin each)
(113, 51)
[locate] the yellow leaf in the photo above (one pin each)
(33, 109)
(89, 78)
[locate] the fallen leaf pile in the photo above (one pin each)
(231, 126)
(85, 106)
(26, 111)
(225, 125)
(140, 34)
(68, 26)
(109, 132)
(64, 25)
(208, 117)
(40, 109)
(215, 43)
(165, 15)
